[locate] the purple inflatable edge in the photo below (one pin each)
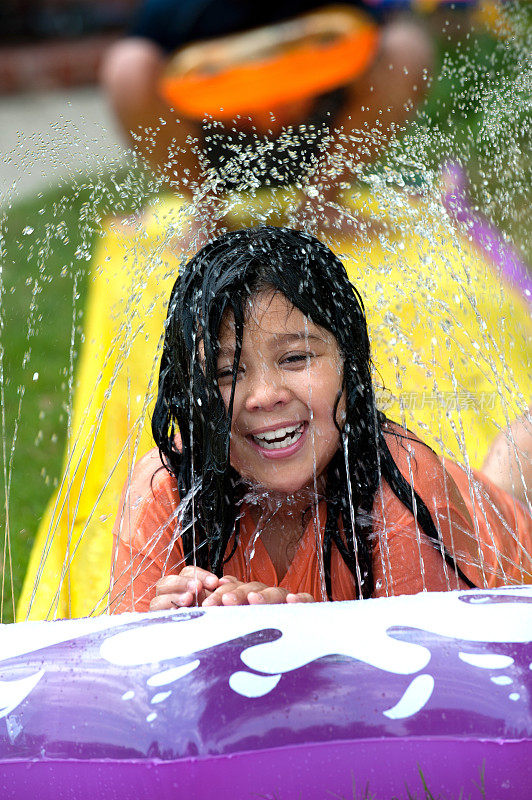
(376, 768)
(485, 236)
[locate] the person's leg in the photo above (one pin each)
(130, 76)
(377, 105)
(382, 100)
(509, 460)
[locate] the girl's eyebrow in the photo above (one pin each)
(275, 340)
(226, 351)
(287, 338)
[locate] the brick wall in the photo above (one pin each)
(48, 44)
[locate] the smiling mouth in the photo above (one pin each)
(277, 439)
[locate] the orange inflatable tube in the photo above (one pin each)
(268, 67)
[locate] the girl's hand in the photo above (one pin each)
(180, 591)
(232, 592)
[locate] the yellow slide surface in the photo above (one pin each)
(451, 348)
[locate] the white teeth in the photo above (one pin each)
(278, 433)
(279, 438)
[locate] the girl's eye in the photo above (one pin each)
(225, 375)
(296, 358)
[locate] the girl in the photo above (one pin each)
(285, 483)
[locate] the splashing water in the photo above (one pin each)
(315, 515)
(449, 335)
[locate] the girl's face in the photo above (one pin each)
(289, 377)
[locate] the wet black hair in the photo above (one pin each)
(221, 278)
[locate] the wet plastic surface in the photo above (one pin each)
(251, 693)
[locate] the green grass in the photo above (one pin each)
(45, 246)
(365, 793)
(479, 111)
(44, 279)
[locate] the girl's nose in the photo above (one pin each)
(266, 393)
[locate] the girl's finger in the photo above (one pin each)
(165, 602)
(238, 596)
(259, 592)
(272, 595)
(232, 594)
(201, 585)
(228, 579)
(171, 584)
(301, 597)
(215, 599)
(198, 574)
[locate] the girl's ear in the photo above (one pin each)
(339, 410)
(342, 416)
(200, 356)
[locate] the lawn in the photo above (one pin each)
(478, 109)
(46, 245)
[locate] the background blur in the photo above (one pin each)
(63, 168)
(50, 52)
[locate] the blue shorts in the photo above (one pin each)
(174, 23)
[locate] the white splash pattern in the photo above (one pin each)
(359, 630)
(486, 660)
(442, 614)
(12, 693)
(250, 685)
(174, 674)
(415, 697)
(160, 697)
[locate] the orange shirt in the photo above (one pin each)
(488, 531)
